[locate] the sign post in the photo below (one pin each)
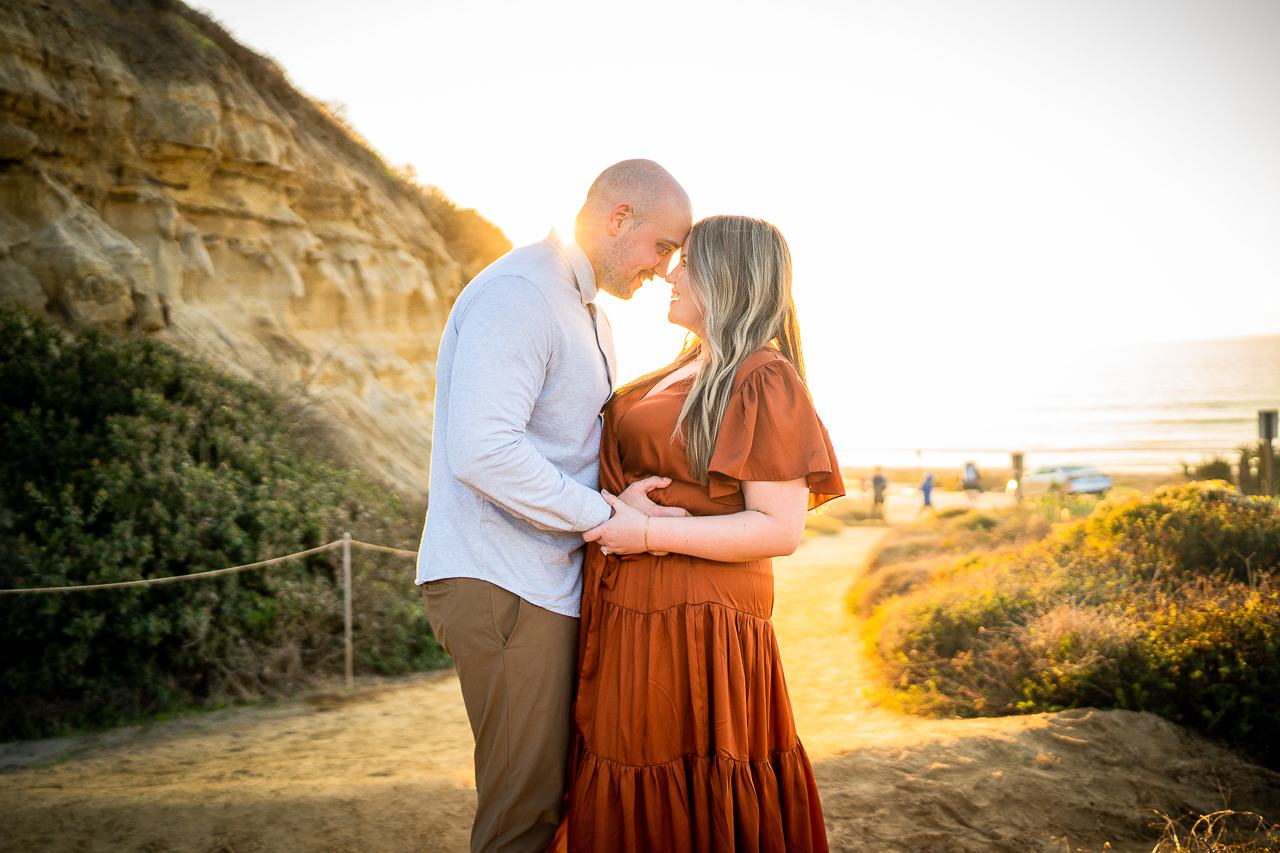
(1016, 458)
(1267, 433)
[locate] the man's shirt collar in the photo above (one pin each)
(583, 273)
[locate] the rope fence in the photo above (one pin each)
(344, 543)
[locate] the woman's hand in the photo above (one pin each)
(637, 495)
(630, 508)
(621, 534)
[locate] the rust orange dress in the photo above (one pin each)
(684, 738)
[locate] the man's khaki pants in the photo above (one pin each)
(517, 664)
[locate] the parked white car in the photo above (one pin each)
(1070, 479)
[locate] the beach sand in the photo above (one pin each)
(388, 768)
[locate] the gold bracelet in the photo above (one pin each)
(646, 533)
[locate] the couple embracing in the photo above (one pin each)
(628, 691)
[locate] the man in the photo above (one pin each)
(526, 362)
(878, 486)
(971, 482)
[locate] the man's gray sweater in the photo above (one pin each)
(520, 380)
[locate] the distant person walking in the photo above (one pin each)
(926, 489)
(971, 483)
(878, 486)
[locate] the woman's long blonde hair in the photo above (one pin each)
(740, 275)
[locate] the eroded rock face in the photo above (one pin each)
(156, 176)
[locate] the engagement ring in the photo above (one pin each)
(604, 550)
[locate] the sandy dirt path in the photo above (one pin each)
(827, 674)
(389, 768)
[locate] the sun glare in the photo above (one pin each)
(985, 194)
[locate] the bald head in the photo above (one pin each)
(636, 215)
(642, 183)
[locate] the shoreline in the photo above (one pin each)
(1153, 461)
(903, 480)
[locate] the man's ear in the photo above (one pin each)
(619, 218)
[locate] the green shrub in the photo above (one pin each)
(912, 554)
(1162, 603)
(126, 460)
(1214, 468)
(1214, 666)
(1055, 506)
(976, 520)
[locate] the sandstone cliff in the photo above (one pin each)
(158, 177)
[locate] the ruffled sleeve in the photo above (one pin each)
(771, 432)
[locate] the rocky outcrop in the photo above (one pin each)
(156, 176)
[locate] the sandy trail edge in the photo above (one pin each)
(389, 769)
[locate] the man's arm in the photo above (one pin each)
(506, 338)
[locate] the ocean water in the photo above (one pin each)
(1132, 407)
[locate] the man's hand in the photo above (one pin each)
(637, 496)
(621, 534)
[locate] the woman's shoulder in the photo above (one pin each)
(764, 365)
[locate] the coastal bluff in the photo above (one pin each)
(158, 178)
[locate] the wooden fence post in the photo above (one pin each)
(346, 605)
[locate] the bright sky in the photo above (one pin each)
(961, 181)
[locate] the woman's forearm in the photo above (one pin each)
(740, 537)
(770, 526)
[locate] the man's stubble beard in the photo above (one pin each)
(612, 277)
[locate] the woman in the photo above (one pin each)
(683, 733)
